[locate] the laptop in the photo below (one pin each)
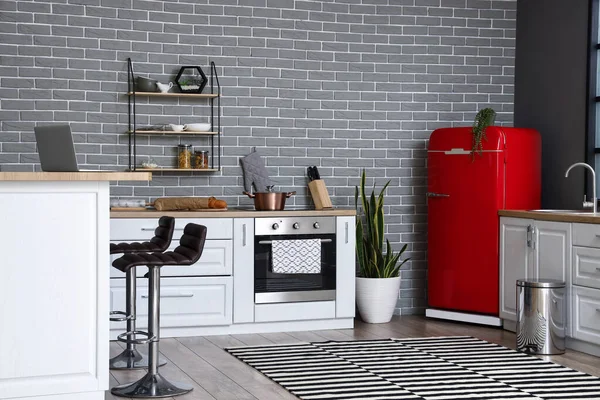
(56, 149)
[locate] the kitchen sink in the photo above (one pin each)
(564, 211)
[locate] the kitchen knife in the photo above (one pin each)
(317, 175)
(310, 174)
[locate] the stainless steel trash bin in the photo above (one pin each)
(541, 316)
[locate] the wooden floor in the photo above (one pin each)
(201, 362)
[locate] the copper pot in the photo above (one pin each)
(269, 201)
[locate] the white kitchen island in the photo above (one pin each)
(54, 284)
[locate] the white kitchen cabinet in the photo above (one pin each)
(346, 267)
(553, 250)
(216, 260)
(243, 273)
(586, 267)
(139, 229)
(216, 295)
(586, 314)
(531, 249)
(184, 302)
(54, 289)
(516, 261)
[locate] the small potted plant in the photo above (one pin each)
(378, 282)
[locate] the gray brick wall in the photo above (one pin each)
(341, 84)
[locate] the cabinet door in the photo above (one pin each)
(216, 260)
(553, 256)
(553, 250)
(516, 261)
(184, 302)
(585, 310)
(243, 270)
(345, 267)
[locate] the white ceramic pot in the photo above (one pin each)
(376, 298)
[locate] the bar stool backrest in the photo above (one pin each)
(163, 234)
(192, 241)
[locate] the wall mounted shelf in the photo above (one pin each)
(214, 99)
(159, 94)
(158, 169)
(182, 133)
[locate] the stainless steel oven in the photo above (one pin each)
(294, 259)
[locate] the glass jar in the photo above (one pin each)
(184, 156)
(201, 159)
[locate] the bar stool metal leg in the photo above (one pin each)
(152, 385)
(130, 358)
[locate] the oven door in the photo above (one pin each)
(291, 270)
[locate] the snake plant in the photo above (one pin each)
(484, 118)
(373, 263)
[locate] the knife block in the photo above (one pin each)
(319, 194)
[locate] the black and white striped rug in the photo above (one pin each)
(440, 368)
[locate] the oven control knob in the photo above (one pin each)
(316, 225)
(296, 225)
(275, 226)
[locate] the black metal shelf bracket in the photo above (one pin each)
(131, 103)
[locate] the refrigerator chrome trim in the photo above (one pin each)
(454, 152)
(292, 297)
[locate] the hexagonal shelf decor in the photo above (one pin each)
(191, 79)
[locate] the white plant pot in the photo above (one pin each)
(376, 298)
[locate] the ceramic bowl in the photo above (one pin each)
(197, 127)
(177, 128)
(145, 84)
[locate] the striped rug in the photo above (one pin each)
(440, 368)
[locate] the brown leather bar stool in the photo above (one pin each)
(130, 358)
(191, 244)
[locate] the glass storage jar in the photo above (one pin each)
(201, 159)
(184, 156)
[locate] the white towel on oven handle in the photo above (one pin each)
(301, 256)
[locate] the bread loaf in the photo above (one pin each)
(188, 203)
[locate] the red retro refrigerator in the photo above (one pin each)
(464, 195)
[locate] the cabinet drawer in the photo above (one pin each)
(586, 314)
(586, 267)
(587, 235)
(183, 301)
(294, 311)
(135, 229)
(216, 260)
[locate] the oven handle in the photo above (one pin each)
(271, 242)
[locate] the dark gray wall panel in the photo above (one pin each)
(551, 89)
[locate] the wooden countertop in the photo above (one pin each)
(233, 213)
(76, 176)
(586, 218)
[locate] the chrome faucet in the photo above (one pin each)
(587, 204)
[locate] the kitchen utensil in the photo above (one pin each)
(177, 128)
(197, 127)
(143, 84)
(164, 87)
(310, 174)
(269, 200)
(313, 173)
(316, 172)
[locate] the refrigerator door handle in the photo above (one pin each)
(432, 194)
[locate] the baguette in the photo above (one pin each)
(188, 203)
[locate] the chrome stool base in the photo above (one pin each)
(132, 359)
(153, 386)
